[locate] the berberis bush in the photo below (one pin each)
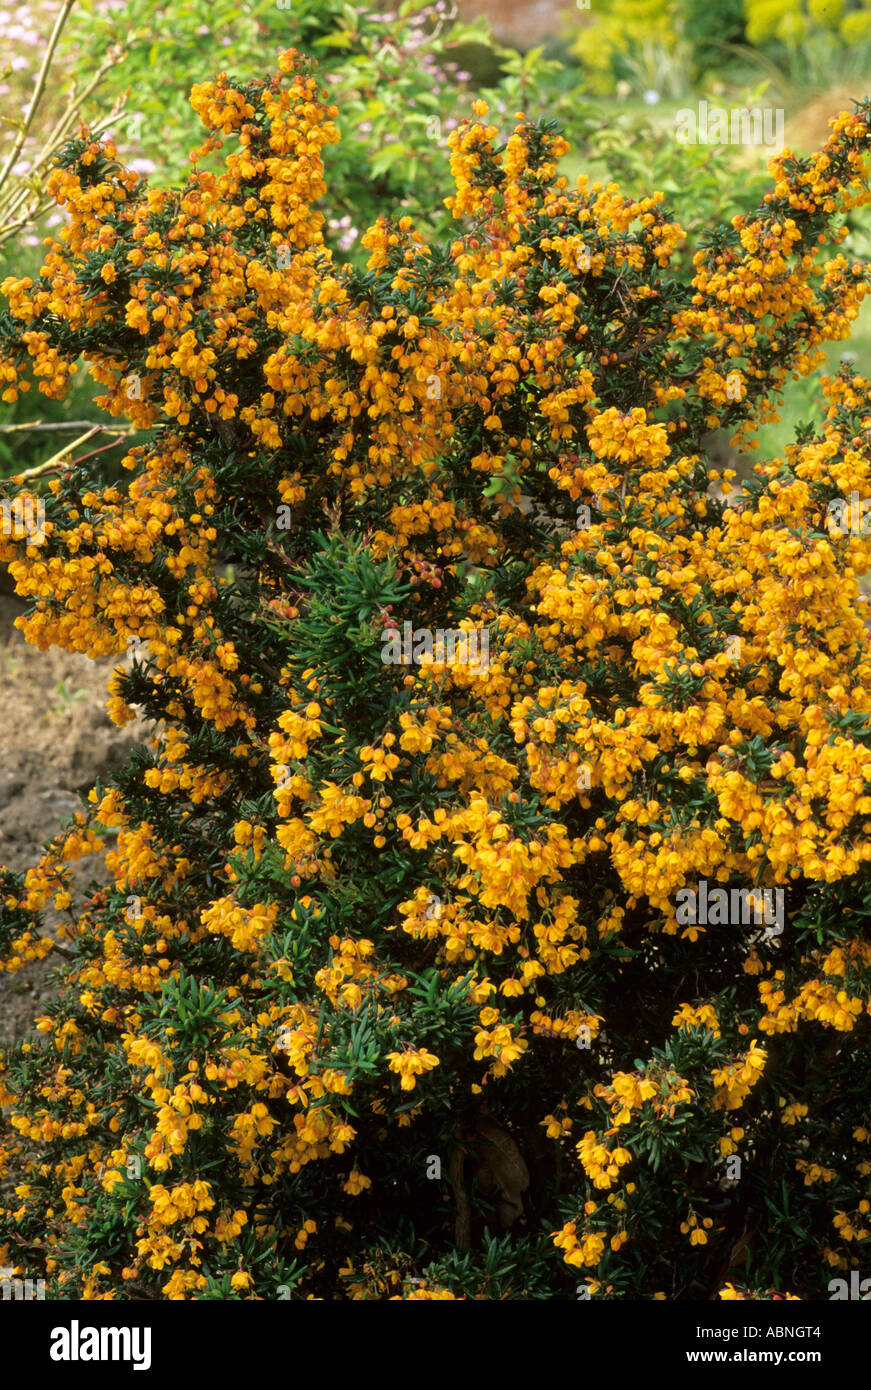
(396, 993)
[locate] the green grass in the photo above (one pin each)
(803, 400)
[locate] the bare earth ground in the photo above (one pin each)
(55, 739)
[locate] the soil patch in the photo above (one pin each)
(56, 740)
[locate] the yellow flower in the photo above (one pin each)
(410, 1064)
(356, 1183)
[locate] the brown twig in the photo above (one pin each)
(648, 342)
(102, 450)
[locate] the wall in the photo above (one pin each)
(522, 23)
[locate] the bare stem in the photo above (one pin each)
(39, 88)
(65, 425)
(56, 458)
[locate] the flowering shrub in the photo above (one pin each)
(660, 43)
(791, 21)
(392, 997)
(364, 57)
(393, 72)
(655, 42)
(394, 75)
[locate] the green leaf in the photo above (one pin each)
(385, 159)
(334, 41)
